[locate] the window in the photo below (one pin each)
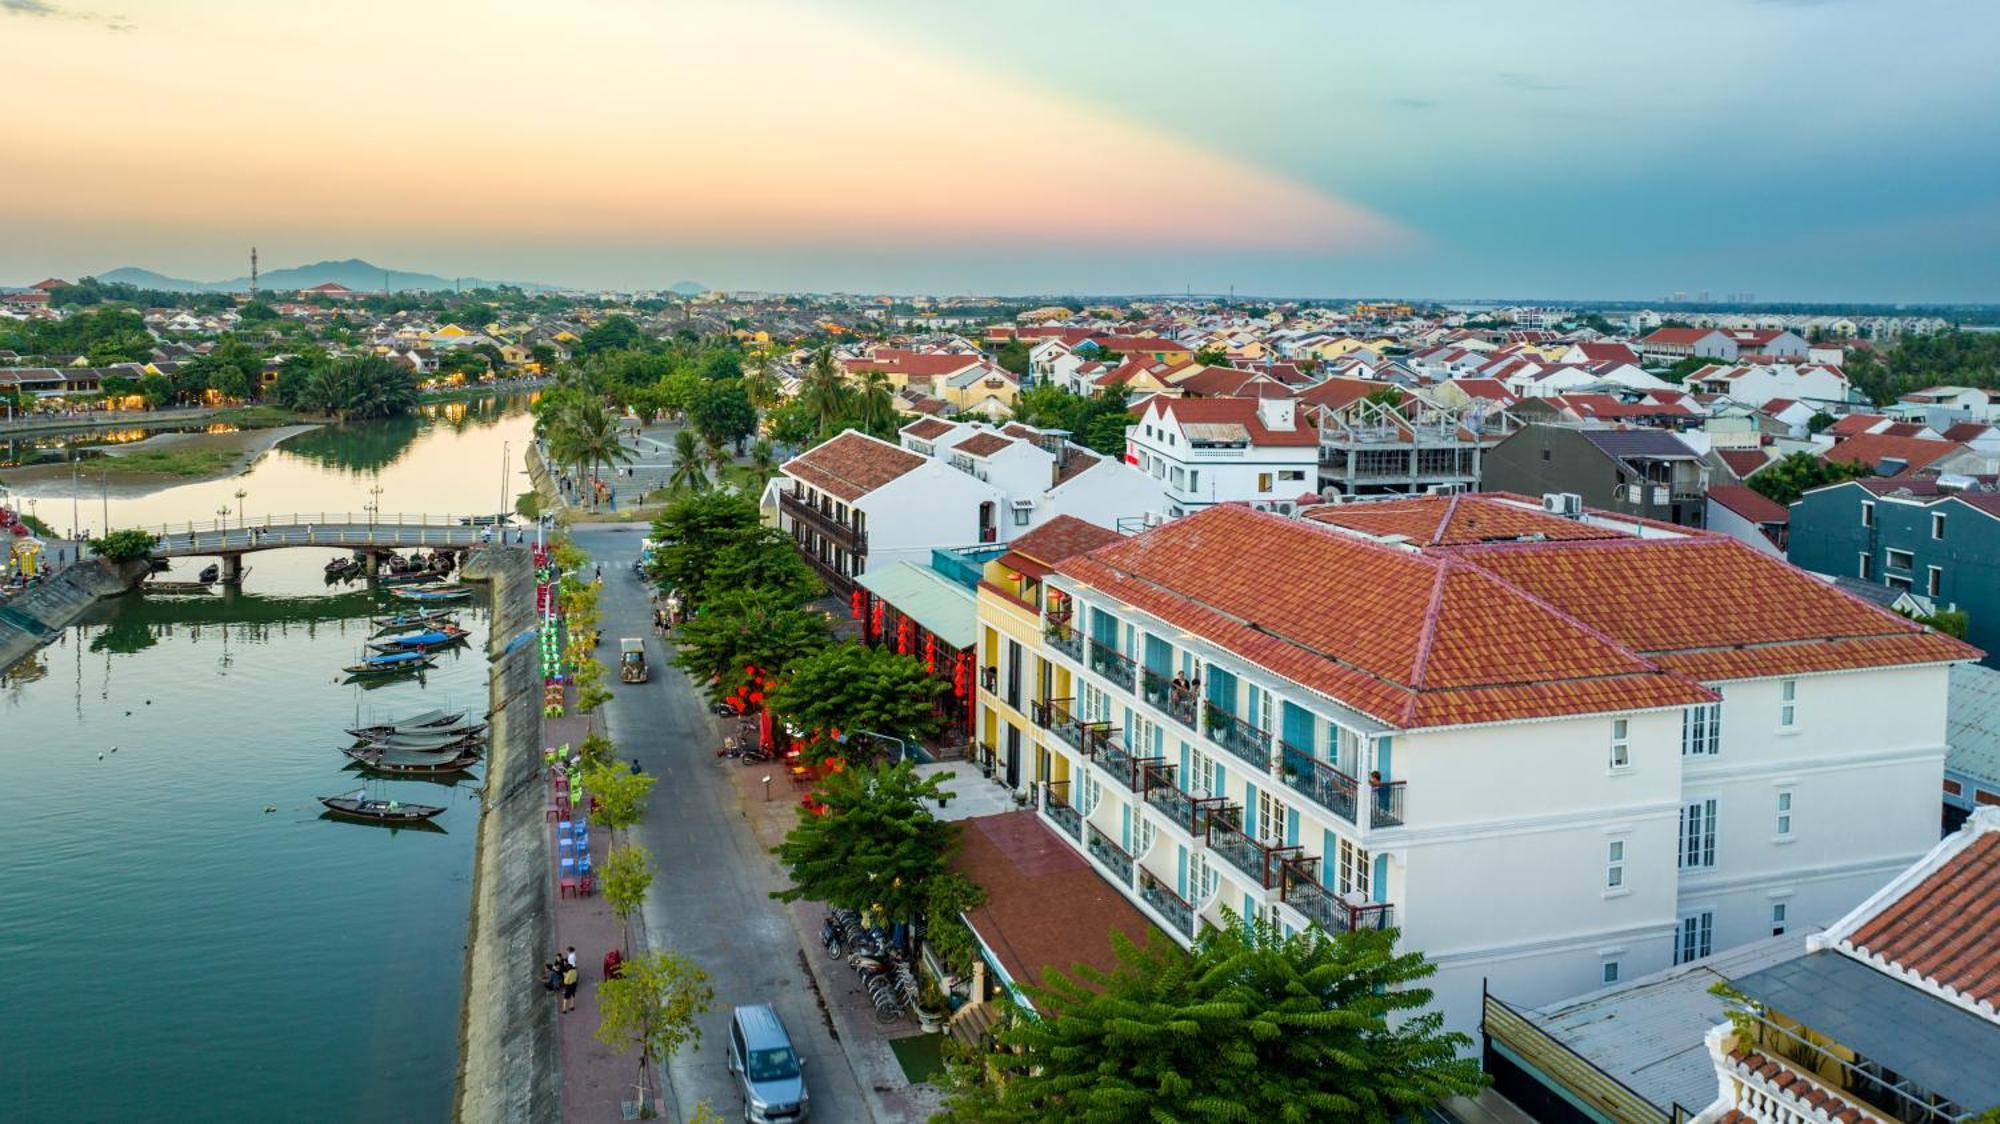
(1292, 474)
(1778, 912)
(1194, 479)
(1354, 869)
(1788, 704)
(1621, 743)
(1867, 513)
(1695, 936)
(1545, 454)
(1200, 780)
(1202, 877)
(1701, 730)
(1263, 481)
(1933, 580)
(1898, 559)
(1866, 572)
(1021, 515)
(1784, 815)
(1937, 524)
(1698, 834)
(1614, 864)
(1611, 971)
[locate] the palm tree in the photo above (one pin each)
(586, 435)
(690, 464)
(877, 402)
(760, 380)
(763, 465)
(825, 392)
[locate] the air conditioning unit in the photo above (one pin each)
(1154, 519)
(1452, 490)
(1566, 504)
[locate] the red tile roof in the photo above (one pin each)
(983, 444)
(1686, 336)
(1967, 431)
(1045, 906)
(1064, 536)
(852, 464)
(1854, 425)
(928, 429)
(891, 360)
(1456, 520)
(1743, 462)
(1942, 930)
(1872, 449)
(1749, 503)
(1492, 389)
(1240, 411)
(1414, 640)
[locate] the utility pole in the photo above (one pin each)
(505, 459)
(253, 273)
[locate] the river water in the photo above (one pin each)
(188, 937)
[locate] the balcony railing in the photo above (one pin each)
(1300, 890)
(1056, 806)
(1112, 664)
(1327, 786)
(1064, 639)
(1385, 804)
(840, 531)
(1160, 789)
(1848, 1079)
(1249, 742)
(1110, 854)
(1166, 697)
(1254, 858)
(1038, 713)
(1168, 904)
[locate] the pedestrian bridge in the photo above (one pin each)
(368, 534)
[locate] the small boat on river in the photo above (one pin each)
(432, 592)
(413, 577)
(404, 622)
(421, 720)
(429, 638)
(358, 805)
(392, 663)
(414, 744)
(390, 761)
(450, 733)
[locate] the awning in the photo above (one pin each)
(946, 609)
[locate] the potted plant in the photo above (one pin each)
(932, 1011)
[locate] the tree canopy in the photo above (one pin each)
(850, 687)
(693, 531)
(878, 847)
(1097, 422)
(747, 628)
(1250, 1025)
(1799, 473)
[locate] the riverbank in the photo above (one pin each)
(509, 1065)
(258, 415)
(33, 619)
(162, 461)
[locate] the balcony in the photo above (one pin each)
(1168, 904)
(1237, 736)
(846, 534)
(1385, 804)
(1110, 854)
(1112, 664)
(1064, 639)
(1320, 781)
(1185, 810)
(1056, 806)
(1787, 1075)
(1114, 758)
(1160, 691)
(1260, 861)
(1324, 908)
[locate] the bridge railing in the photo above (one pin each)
(344, 520)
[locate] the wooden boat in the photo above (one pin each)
(210, 573)
(404, 622)
(411, 577)
(452, 732)
(178, 587)
(340, 566)
(406, 743)
(380, 761)
(393, 663)
(419, 641)
(421, 720)
(357, 805)
(432, 592)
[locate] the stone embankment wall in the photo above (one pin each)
(32, 619)
(509, 1058)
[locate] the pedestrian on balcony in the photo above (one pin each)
(1181, 687)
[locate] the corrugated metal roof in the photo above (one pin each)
(1972, 723)
(942, 606)
(1639, 443)
(1648, 1032)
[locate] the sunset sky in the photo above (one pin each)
(1800, 149)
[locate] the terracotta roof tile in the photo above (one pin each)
(1872, 449)
(1743, 462)
(1064, 536)
(852, 464)
(1749, 503)
(1943, 928)
(1455, 521)
(928, 429)
(983, 444)
(1241, 411)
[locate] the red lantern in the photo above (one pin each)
(854, 604)
(903, 636)
(878, 618)
(757, 697)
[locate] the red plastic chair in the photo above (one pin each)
(567, 886)
(589, 885)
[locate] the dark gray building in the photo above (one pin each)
(1644, 472)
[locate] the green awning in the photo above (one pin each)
(946, 609)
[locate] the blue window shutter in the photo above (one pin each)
(1329, 854)
(1380, 882)
(1382, 758)
(1125, 826)
(1221, 786)
(1180, 870)
(1249, 906)
(1297, 726)
(1291, 827)
(1184, 761)
(1159, 656)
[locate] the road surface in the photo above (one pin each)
(710, 895)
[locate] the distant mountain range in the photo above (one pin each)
(354, 273)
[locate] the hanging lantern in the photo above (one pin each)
(903, 636)
(878, 618)
(854, 604)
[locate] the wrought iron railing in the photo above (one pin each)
(1167, 697)
(1167, 904)
(1385, 804)
(1064, 639)
(1067, 728)
(1327, 786)
(1302, 891)
(1258, 860)
(1056, 806)
(1114, 665)
(1119, 761)
(1857, 1077)
(1251, 743)
(825, 522)
(1161, 790)
(1107, 852)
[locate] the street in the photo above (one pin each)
(710, 895)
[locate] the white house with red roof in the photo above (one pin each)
(1671, 345)
(1556, 751)
(1755, 384)
(1205, 451)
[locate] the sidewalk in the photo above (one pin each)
(890, 1094)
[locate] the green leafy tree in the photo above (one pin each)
(690, 471)
(620, 793)
(1799, 473)
(1951, 622)
(760, 380)
(723, 412)
(1250, 1025)
(585, 435)
(874, 404)
(792, 424)
(1384, 396)
(877, 848)
(765, 561)
(617, 332)
(747, 628)
(691, 530)
(1819, 422)
(155, 389)
(1013, 356)
(628, 874)
(850, 687)
(362, 386)
(256, 312)
(124, 546)
(825, 394)
(1212, 357)
(653, 1004)
(763, 465)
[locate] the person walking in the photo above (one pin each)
(569, 979)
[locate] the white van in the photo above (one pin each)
(772, 1073)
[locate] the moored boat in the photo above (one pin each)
(392, 663)
(358, 805)
(382, 761)
(418, 641)
(422, 719)
(404, 622)
(431, 592)
(414, 744)
(452, 732)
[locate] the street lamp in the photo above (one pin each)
(240, 493)
(374, 509)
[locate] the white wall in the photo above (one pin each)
(934, 505)
(1727, 522)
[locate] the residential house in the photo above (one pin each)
(1647, 473)
(1972, 759)
(1890, 1013)
(1755, 384)
(1892, 454)
(1374, 444)
(1769, 343)
(1671, 345)
(1748, 516)
(1207, 451)
(1550, 750)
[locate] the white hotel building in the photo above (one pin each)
(1556, 752)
